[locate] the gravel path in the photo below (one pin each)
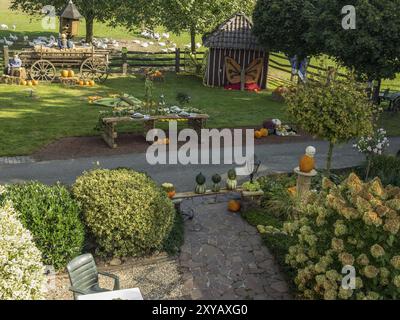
(158, 281)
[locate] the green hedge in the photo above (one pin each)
(53, 218)
(125, 211)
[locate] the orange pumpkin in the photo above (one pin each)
(171, 194)
(35, 82)
(64, 73)
(258, 134)
(29, 83)
(71, 73)
(81, 83)
(91, 83)
(264, 132)
(307, 164)
(87, 83)
(234, 206)
(292, 191)
(23, 83)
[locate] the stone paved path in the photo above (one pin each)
(223, 256)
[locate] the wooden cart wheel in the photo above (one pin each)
(94, 69)
(43, 70)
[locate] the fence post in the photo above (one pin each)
(124, 61)
(6, 57)
(178, 60)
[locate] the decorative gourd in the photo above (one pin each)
(201, 184)
(216, 179)
(231, 183)
(234, 206)
(258, 134)
(87, 83)
(169, 189)
(64, 73)
(35, 82)
(91, 83)
(307, 162)
(29, 83)
(264, 132)
(81, 83)
(23, 83)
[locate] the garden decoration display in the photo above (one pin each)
(307, 162)
(216, 179)
(169, 189)
(234, 206)
(276, 127)
(201, 184)
(42, 63)
(127, 109)
(243, 78)
(305, 172)
(251, 190)
(231, 182)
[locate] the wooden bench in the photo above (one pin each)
(109, 125)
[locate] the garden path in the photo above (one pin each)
(223, 257)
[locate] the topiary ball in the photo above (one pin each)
(125, 211)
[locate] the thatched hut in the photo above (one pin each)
(233, 46)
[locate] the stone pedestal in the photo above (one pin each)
(304, 182)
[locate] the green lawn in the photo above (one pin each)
(27, 124)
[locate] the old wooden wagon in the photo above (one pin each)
(42, 63)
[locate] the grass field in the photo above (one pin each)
(27, 124)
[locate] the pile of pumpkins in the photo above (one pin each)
(29, 83)
(71, 74)
(262, 133)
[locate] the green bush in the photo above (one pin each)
(355, 224)
(125, 211)
(53, 218)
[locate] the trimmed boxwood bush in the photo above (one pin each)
(52, 217)
(125, 211)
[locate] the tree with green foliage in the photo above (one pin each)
(337, 111)
(200, 16)
(372, 49)
(283, 25)
(91, 10)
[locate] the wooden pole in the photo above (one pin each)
(178, 60)
(124, 62)
(6, 55)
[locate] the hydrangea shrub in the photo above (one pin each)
(125, 211)
(352, 224)
(21, 270)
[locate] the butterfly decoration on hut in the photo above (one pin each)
(252, 72)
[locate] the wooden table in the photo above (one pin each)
(109, 134)
(127, 294)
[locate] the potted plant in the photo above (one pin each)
(231, 182)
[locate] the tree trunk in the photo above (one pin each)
(329, 160)
(376, 91)
(193, 39)
(89, 29)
